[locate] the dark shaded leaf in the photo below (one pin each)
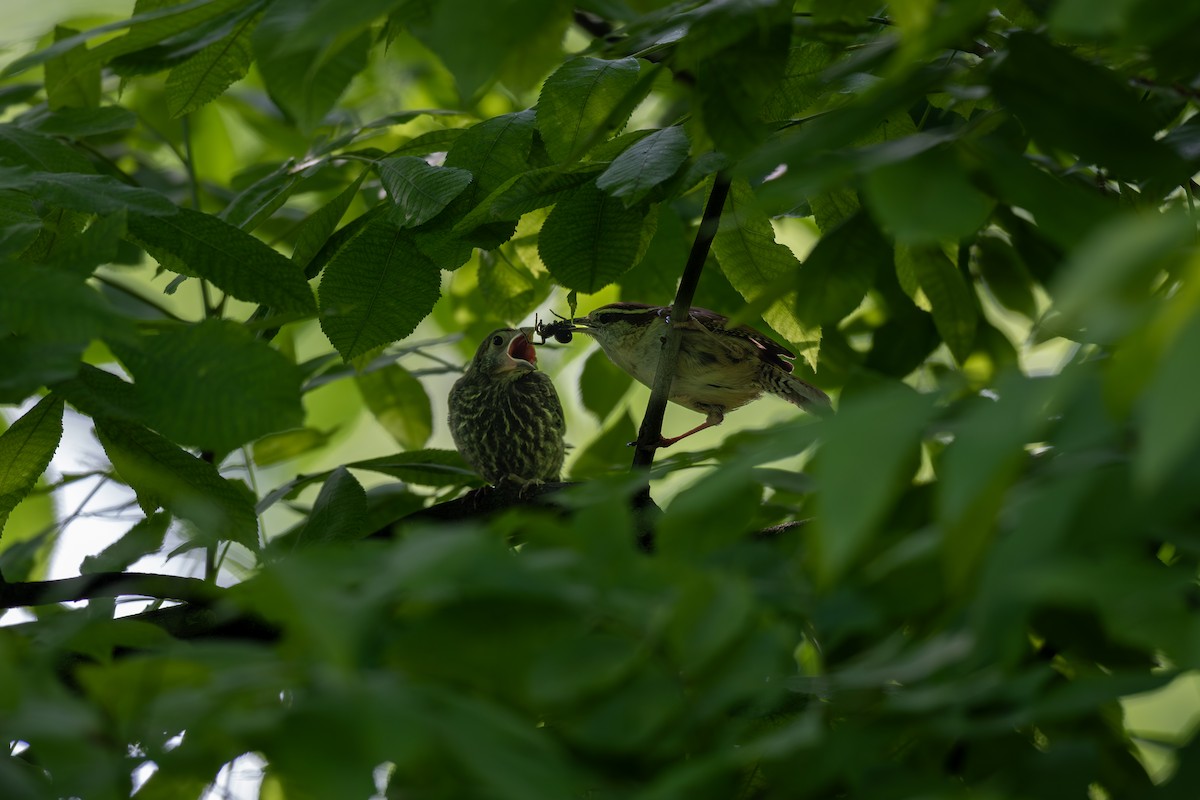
(189, 487)
(1085, 109)
(645, 165)
(232, 259)
(143, 539)
(376, 289)
(339, 512)
(837, 273)
(420, 191)
(98, 194)
(590, 239)
(213, 385)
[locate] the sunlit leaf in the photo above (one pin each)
(399, 403)
(25, 451)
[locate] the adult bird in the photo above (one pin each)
(505, 416)
(720, 368)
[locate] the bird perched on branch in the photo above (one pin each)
(719, 368)
(505, 416)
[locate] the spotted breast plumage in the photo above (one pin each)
(505, 415)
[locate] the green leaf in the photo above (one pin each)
(399, 403)
(424, 468)
(19, 223)
(213, 385)
(802, 82)
(53, 306)
(978, 467)
(509, 288)
(527, 192)
(493, 151)
(419, 190)
(276, 447)
(645, 165)
(1104, 280)
(206, 75)
(316, 229)
(80, 123)
(97, 194)
(856, 492)
(755, 264)
(258, 201)
(1006, 275)
(497, 749)
(478, 42)
(607, 453)
(712, 514)
(142, 539)
(71, 78)
(577, 101)
(316, 23)
(1065, 211)
(735, 83)
(1168, 420)
(376, 289)
(232, 259)
(189, 487)
(38, 152)
(926, 199)
(1085, 109)
(954, 307)
(25, 451)
(307, 83)
(602, 384)
(590, 239)
(841, 268)
(339, 512)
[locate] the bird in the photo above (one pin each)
(505, 415)
(720, 368)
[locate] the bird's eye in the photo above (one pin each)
(497, 341)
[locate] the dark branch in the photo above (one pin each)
(108, 584)
(651, 431)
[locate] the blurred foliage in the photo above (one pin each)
(232, 229)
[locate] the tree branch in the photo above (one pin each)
(108, 584)
(651, 430)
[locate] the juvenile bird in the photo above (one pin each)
(719, 368)
(505, 416)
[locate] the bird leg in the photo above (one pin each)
(715, 418)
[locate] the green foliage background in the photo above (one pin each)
(232, 230)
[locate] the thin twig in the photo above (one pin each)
(651, 430)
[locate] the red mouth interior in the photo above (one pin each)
(521, 348)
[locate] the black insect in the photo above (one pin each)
(560, 329)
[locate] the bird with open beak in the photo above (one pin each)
(720, 368)
(505, 416)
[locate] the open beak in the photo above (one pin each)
(521, 351)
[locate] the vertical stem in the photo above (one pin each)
(651, 430)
